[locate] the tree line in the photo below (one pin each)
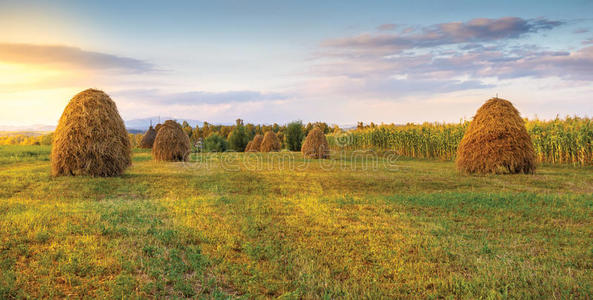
(220, 138)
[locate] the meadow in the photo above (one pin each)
(268, 225)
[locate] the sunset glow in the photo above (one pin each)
(213, 62)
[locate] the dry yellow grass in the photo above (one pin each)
(91, 138)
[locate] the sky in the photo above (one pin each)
(277, 61)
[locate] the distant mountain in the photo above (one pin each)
(35, 127)
(143, 124)
(133, 126)
(347, 127)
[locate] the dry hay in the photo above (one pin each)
(157, 127)
(269, 143)
(496, 141)
(171, 143)
(248, 147)
(148, 138)
(256, 143)
(315, 145)
(91, 138)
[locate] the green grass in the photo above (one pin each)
(248, 225)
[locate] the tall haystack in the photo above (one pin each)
(171, 143)
(496, 141)
(256, 143)
(157, 127)
(315, 145)
(269, 143)
(91, 138)
(148, 138)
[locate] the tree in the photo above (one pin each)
(206, 130)
(250, 130)
(336, 129)
(186, 128)
(323, 126)
(294, 136)
(225, 131)
(215, 143)
(238, 138)
(196, 134)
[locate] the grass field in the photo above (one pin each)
(245, 225)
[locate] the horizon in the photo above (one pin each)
(267, 62)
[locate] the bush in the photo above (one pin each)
(294, 136)
(46, 139)
(215, 143)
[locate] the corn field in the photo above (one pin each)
(568, 140)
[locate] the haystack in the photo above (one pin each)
(248, 147)
(157, 127)
(91, 138)
(315, 145)
(171, 143)
(269, 143)
(148, 138)
(256, 143)
(496, 141)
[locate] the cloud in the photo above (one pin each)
(581, 30)
(190, 98)
(473, 31)
(499, 63)
(70, 56)
(387, 27)
(444, 58)
(394, 87)
(575, 65)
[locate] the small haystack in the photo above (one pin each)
(256, 143)
(171, 143)
(315, 145)
(148, 138)
(157, 127)
(496, 141)
(248, 147)
(270, 143)
(91, 138)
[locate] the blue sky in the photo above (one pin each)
(276, 61)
